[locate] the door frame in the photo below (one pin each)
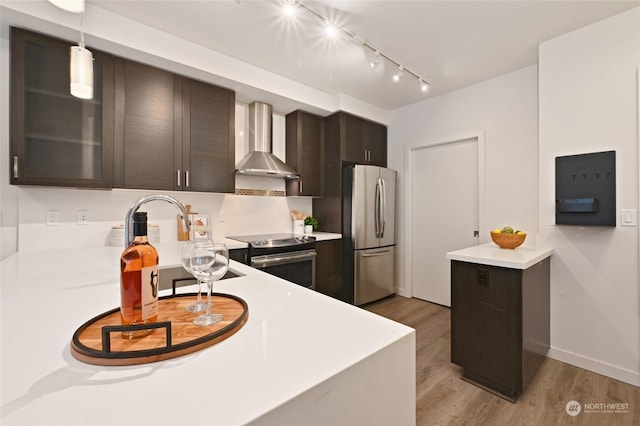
(479, 135)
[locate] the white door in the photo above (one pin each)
(444, 213)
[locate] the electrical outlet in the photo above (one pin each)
(221, 216)
(83, 217)
(52, 218)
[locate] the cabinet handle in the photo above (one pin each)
(483, 277)
(300, 186)
(15, 167)
(178, 173)
(186, 178)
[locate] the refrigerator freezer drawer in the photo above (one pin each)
(374, 271)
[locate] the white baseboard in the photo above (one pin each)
(403, 292)
(615, 372)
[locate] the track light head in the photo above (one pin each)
(375, 60)
(330, 30)
(289, 8)
(398, 75)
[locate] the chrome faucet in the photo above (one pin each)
(128, 220)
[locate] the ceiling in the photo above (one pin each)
(451, 44)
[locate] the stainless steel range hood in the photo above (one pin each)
(260, 160)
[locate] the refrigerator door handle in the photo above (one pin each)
(377, 209)
(383, 212)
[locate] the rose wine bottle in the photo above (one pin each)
(139, 280)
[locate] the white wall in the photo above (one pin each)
(505, 110)
(589, 103)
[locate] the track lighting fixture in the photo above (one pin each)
(332, 30)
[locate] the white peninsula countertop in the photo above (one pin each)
(521, 257)
(301, 357)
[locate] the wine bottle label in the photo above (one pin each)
(149, 284)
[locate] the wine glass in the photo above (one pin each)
(209, 262)
(185, 255)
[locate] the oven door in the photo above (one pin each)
(297, 266)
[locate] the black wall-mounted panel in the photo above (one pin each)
(586, 189)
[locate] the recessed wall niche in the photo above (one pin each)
(586, 189)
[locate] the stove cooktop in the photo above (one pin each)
(274, 240)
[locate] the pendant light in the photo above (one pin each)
(81, 71)
(81, 59)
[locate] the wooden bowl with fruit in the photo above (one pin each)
(507, 238)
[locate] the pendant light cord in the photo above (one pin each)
(82, 30)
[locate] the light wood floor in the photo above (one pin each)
(443, 398)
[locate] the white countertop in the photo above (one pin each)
(294, 340)
(521, 257)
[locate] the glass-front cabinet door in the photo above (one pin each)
(56, 138)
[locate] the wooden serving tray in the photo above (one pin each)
(96, 341)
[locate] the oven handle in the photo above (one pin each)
(282, 258)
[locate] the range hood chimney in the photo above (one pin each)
(260, 161)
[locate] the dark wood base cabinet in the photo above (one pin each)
(499, 324)
(329, 268)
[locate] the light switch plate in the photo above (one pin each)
(628, 217)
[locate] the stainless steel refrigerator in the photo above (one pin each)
(368, 207)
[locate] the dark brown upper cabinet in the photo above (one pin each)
(374, 143)
(58, 139)
(305, 153)
(209, 136)
(362, 141)
(171, 132)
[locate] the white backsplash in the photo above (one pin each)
(229, 214)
